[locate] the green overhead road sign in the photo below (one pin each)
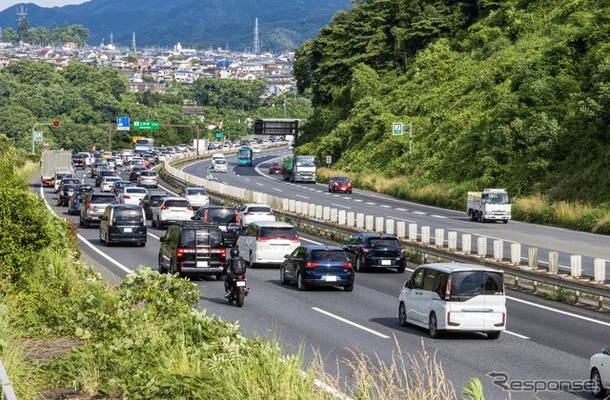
(218, 135)
(397, 128)
(145, 125)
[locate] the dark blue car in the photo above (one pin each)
(317, 265)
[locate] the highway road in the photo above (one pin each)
(544, 342)
(545, 238)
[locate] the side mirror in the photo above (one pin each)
(286, 255)
(409, 284)
(606, 351)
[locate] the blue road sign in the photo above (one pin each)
(122, 123)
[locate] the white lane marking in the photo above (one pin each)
(259, 184)
(339, 205)
(385, 206)
(358, 200)
(401, 209)
(517, 335)
(438, 216)
(400, 219)
(277, 190)
(247, 179)
(311, 241)
(364, 328)
(419, 213)
(370, 203)
(303, 197)
(101, 253)
(529, 303)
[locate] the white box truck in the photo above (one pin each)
(489, 205)
(54, 163)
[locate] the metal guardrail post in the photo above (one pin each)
(7, 386)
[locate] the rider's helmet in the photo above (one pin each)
(234, 252)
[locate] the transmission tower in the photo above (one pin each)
(133, 41)
(22, 13)
(111, 38)
(256, 45)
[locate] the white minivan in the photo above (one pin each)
(267, 242)
(454, 297)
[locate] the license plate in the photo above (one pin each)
(240, 283)
(330, 278)
(202, 264)
(128, 229)
(386, 262)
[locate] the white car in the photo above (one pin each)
(219, 165)
(255, 148)
(267, 242)
(107, 182)
(599, 365)
(197, 196)
(171, 209)
(132, 195)
(454, 297)
(250, 212)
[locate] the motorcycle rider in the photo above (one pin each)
(236, 262)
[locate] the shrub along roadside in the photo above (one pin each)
(535, 209)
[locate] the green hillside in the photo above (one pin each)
(513, 93)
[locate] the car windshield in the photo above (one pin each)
(273, 231)
(306, 162)
(221, 162)
(497, 198)
(390, 243)
(127, 214)
(102, 199)
(243, 152)
(341, 180)
(220, 215)
(177, 203)
(135, 190)
(473, 283)
(192, 192)
(201, 238)
(259, 209)
(329, 255)
(148, 173)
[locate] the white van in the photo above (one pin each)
(454, 297)
(267, 242)
(217, 156)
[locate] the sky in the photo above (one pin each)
(4, 4)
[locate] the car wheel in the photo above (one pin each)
(283, 279)
(359, 265)
(102, 238)
(433, 327)
(471, 215)
(349, 288)
(162, 269)
(80, 221)
(401, 269)
(505, 221)
(106, 241)
(402, 314)
(153, 222)
(300, 283)
(482, 218)
(142, 244)
(598, 389)
(493, 335)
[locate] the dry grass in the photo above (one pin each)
(408, 376)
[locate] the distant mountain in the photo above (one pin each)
(283, 25)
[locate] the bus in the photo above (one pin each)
(244, 156)
(145, 144)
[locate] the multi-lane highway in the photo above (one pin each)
(544, 342)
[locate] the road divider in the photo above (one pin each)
(423, 244)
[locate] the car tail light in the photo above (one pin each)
(236, 218)
(270, 213)
(402, 251)
(310, 264)
(294, 239)
(366, 249)
(88, 204)
(347, 265)
(503, 318)
(448, 291)
(189, 208)
(165, 208)
(263, 238)
(448, 317)
(126, 196)
(247, 213)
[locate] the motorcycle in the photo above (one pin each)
(238, 290)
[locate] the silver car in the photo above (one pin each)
(93, 207)
(171, 209)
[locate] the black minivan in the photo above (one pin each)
(123, 223)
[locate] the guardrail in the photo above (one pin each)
(593, 291)
(7, 387)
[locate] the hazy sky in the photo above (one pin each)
(4, 4)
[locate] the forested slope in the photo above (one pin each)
(500, 93)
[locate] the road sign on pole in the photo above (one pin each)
(218, 135)
(145, 125)
(397, 128)
(122, 123)
(38, 136)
